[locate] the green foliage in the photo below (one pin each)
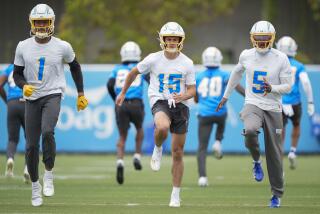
(123, 20)
(315, 7)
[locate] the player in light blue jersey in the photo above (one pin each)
(132, 109)
(210, 84)
(291, 102)
(15, 119)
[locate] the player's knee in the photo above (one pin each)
(177, 154)
(162, 130)
(250, 132)
(47, 135)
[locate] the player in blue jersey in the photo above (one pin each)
(210, 84)
(15, 119)
(291, 102)
(132, 109)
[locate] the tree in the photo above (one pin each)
(86, 22)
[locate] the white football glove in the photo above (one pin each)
(287, 110)
(310, 109)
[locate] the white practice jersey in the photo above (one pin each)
(167, 76)
(274, 66)
(44, 65)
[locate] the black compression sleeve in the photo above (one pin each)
(110, 86)
(18, 76)
(76, 73)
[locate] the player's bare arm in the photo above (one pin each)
(129, 79)
(191, 92)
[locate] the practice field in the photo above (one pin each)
(86, 184)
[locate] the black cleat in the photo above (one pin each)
(120, 170)
(137, 164)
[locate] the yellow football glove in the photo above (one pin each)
(82, 103)
(28, 90)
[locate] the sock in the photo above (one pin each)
(293, 149)
(217, 142)
(159, 149)
(120, 162)
(137, 156)
(176, 192)
(37, 183)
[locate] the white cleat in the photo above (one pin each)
(292, 160)
(36, 198)
(155, 162)
(174, 202)
(48, 188)
(217, 150)
(26, 176)
(9, 169)
(203, 182)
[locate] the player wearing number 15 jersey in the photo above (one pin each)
(172, 83)
(211, 84)
(268, 77)
(39, 71)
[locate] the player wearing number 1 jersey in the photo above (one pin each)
(268, 77)
(172, 83)
(132, 109)
(39, 71)
(211, 84)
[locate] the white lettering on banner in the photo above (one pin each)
(100, 119)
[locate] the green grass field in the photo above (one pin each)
(86, 184)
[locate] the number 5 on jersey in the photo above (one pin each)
(257, 83)
(41, 67)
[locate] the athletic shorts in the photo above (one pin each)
(296, 118)
(179, 116)
(132, 110)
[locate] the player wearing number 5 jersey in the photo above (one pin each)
(172, 83)
(268, 77)
(211, 84)
(132, 109)
(39, 71)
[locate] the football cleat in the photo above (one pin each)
(137, 161)
(36, 198)
(48, 188)
(203, 182)
(292, 160)
(217, 150)
(9, 168)
(257, 171)
(26, 176)
(156, 158)
(274, 202)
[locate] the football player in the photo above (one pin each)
(132, 110)
(39, 72)
(172, 83)
(291, 102)
(211, 84)
(268, 77)
(15, 119)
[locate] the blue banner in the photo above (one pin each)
(95, 130)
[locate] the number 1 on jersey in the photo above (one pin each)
(41, 67)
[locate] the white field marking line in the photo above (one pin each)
(65, 177)
(183, 205)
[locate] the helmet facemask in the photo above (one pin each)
(42, 32)
(166, 45)
(262, 41)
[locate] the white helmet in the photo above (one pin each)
(130, 51)
(171, 29)
(211, 57)
(262, 36)
(42, 12)
(287, 45)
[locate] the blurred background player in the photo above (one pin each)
(268, 77)
(132, 110)
(172, 83)
(291, 102)
(211, 84)
(15, 119)
(39, 71)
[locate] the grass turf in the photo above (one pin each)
(86, 184)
